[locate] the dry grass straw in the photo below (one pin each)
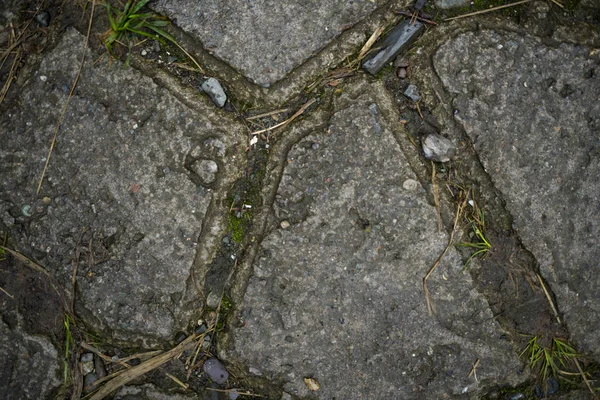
(554, 310)
(287, 121)
(64, 110)
(231, 391)
(6, 293)
(436, 197)
(490, 10)
(268, 114)
(459, 210)
(126, 376)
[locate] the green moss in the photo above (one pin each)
(237, 227)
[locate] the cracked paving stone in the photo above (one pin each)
(338, 297)
(116, 184)
(533, 114)
(265, 39)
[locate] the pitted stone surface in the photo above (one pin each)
(117, 184)
(338, 297)
(265, 39)
(533, 114)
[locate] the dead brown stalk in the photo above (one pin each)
(459, 210)
(488, 10)
(287, 121)
(64, 110)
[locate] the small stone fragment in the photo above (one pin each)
(180, 337)
(399, 39)
(46, 200)
(206, 170)
(87, 357)
(134, 361)
(447, 4)
(87, 367)
(215, 371)
(43, 19)
(410, 184)
(312, 384)
(215, 91)
(200, 329)
(89, 381)
(99, 367)
(412, 93)
(438, 148)
(401, 73)
(401, 62)
(284, 224)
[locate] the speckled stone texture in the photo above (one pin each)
(533, 114)
(119, 195)
(338, 295)
(265, 39)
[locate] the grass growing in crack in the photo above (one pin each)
(68, 321)
(560, 360)
(481, 245)
(130, 22)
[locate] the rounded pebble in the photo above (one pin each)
(410, 184)
(215, 371)
(200, 329)
(401, 73)
(134, 361)
(89, 380)
(47, 200)
(43, 19)
(87, 357)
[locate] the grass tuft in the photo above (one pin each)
(130, 22)
(68, 321)
(481, 245)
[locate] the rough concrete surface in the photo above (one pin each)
(533, 114)
(117, 185)
(338, 297)
(265, 39)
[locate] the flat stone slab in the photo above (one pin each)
(533, 114)
(337, 296)
(265, 39)
(120, 194)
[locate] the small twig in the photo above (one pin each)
(558, 4)
(64, 110)
(8, 294)
(585, 379)
(287, 121)
(436, 197)
(367, 46)
(268, 114)
(234, 392)
(549, 298)
(419, 110)
(177, 381)
(128, 375)
(488, 10)
(459, 208)
(191, 58)
(407, 14)
(474, 370)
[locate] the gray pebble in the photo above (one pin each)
(43, 19)
(215, 91)
(87, 357)
(412, 93)
(401, 62)
(99, 367)
(438, 148)
(401, 73)
(180, 337)
(89, 380)
(200, 329)
(216, 371)
(206, 170)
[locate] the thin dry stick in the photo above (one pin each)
(145, 367)
(549, 298)
(419, 110)
(587, 383)
(474, 370)
(177, 381)
(282, 110)
(11, 75)
(287, 121)
(488, 10)
(558, 4)
(407, 14)
(190, 57)
(459, 209)
(234, 392)
(64, 110)
(367, 46)
(8, 294)
(436, 197)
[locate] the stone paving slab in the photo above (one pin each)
(265, 39)
(131, 178)
(535, 123)
(338, 295)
